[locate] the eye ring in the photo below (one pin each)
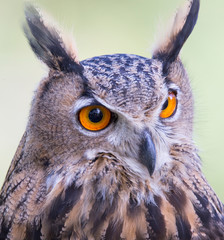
(169, 107)
(94, 117)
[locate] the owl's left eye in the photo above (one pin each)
(94, 117)
(169, 106)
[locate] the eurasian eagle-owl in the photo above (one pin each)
(108, 150)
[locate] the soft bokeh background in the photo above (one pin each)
(116, 26)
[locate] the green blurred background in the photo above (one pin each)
(116, 26)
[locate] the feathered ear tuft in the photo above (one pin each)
(167, 50)
(48, 44)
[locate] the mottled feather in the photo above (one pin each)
(138, 178)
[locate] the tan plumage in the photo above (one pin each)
(137, 178)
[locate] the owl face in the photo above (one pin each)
(114, 106)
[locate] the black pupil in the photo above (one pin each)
(165, 105)
(95, 115)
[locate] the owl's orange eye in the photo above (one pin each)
(95, 117)
(169, 106)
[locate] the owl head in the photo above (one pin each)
(108, 150)
(130, 106)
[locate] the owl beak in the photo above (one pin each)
(147, 152)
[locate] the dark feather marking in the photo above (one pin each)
(45, 162)
(155, 219)
(16, 168)
(2, 200)
(134, 209)
(101, 210)
(23, 200)
(45, 88)
(216, 216)
(5, 227)
(114, 230)
(177, 198)
(133, 206)
(202, 211)
(183, 228)
(33, 232)
(62, 205)
(4, 230)
(47, 44)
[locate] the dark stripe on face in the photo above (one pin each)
(156, 220)
(183, 228)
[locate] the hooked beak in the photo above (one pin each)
(147, 152)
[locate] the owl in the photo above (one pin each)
(108, 150)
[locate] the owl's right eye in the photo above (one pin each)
(94, 117)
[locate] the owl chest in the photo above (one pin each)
(103, 201)
(109, 204)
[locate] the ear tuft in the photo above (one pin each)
(48, 44)
(168, 48)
